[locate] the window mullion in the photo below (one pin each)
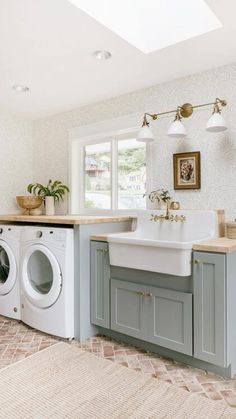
(114, 175)
(82, 178)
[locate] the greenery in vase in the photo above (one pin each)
(54, 188)
(159, 195)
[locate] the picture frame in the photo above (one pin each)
(187, 170)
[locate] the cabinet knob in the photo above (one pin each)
(105, 250)
(196, 261)
(144, 294)
(148, 294)
(141, 293)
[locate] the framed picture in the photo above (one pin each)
(187, 170)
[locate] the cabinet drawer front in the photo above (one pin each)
(127, 308)
(170, 320)
(210, 308)
(100, 285)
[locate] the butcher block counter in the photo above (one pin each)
(64, 219)
(217, 245)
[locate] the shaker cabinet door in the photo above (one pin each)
(170, 319)
(100, 284)
(127, 309)
(156, 315)
(209, 279)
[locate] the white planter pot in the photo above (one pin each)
(49, 205)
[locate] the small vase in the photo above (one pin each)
(49, 205)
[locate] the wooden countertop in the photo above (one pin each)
(64, 219)
(103, 237)
(218, 245)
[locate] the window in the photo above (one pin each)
(97, 176)
(113, 174)
(131, 159)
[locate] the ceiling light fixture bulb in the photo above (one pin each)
(145, 135)
(216, 123)
(177, 129)
(20, 88)
(102, 55)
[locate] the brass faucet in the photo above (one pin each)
(180, 218)
(157, 217)
(167, 217)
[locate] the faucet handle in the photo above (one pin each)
(183, 218)
(152, 218)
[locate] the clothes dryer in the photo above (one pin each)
(47, 279)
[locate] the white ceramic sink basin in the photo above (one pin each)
(162, 246)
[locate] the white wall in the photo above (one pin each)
(218, 151)
(16, 154)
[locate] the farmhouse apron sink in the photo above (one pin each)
(163, 245)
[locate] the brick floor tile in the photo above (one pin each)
(230, 397)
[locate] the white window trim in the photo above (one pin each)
(103, 131)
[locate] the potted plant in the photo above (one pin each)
(52, 193)
(161, 196)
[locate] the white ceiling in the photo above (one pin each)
(48, 45)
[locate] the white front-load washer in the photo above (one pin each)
(9, 271)
(47, 279)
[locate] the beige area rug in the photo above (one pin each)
(63, 381)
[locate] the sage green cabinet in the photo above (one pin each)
(210, 332)
(170, 319)
(127, 308)
(100, 284)
(196, 317)
(152, 314)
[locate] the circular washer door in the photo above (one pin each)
(8, 269)
(41, 276)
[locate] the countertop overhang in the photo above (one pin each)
(64, 219)
(217, 245)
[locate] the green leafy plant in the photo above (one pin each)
(159, 195)
(54, 188)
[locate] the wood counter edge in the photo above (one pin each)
(64, 219)
(218, 245)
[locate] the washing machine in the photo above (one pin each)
(9, 271)
(47, 279)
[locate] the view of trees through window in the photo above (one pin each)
(98, 176)
(130, 163)
(131, 174)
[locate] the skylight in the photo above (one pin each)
(151, 25)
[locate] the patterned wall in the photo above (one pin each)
(15, 160)
(218, 150)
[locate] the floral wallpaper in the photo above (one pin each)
(218, 151)
(16, 153)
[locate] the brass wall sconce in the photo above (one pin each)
(215, 124)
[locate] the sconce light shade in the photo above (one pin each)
(216, 123)
(145, 135)
(177, 130)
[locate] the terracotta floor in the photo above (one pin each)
(18, 341)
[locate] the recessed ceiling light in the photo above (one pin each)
(154, 24)
(102, 55)
(20, 88)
